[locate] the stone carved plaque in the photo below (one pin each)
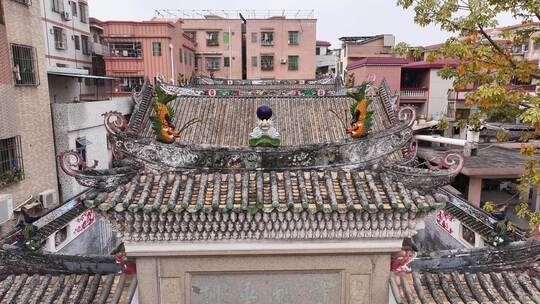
(266, 288)
(359, 289)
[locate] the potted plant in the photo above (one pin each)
(473, 131)
(442, 124)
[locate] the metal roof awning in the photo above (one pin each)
(81, 76)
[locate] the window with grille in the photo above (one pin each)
(212, 38)
(293, 38)
(24, 65)
(57, 6)
(267, 63)
(126, 49)
(293, 63)
(11, 161)
(77, 42)
(73, 8)
(254, 61)
(212, 64)
(25, 2)
(254, 37)
(84, 45)
(60, 39)
(156, 48)
(191, 34)
(267, 38)
(83, 9)
(226, 61)
(2, 21)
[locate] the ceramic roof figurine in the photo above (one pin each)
(265, 134)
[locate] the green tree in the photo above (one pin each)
(485, 60)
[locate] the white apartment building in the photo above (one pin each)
(325, 58)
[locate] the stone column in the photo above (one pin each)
(475, 191)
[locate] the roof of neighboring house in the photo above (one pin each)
(360, 39)
(322, 43)
(488, 275)
(437, 64)
(27, 277)
(377, 61)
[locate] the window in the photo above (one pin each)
(226, 37)
(2, 21)
(24, 65)
(293, 63)
(60, 40)
(80, 147)
(467, 235)
(212, 64)
(84, 12)
(73, 8)
(57, 6)
(126, 49)
(181, 56)
(11, 161)
(254, 61)
(254, 37)
(212, 38)
(60, 236)
(128, 84)
(77, 42)
(267, 38)
(317, 51)
(293, 38)
(25, 2)
(267, 63)
(95, 38)
(226, 61)
(191, 34)
(84, 43)
(156, 48)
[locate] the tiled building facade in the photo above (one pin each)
(26, 135)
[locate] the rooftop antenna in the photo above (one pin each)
(242, 17)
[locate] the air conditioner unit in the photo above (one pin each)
(283, 60)
(66, 16)
(6, 208)
(48, 198)
(230, 82)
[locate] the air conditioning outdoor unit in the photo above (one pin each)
(230, 82)
(66, 16)
(6, 208)
(48, 198)
(283, 60)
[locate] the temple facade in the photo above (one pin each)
(263, 198)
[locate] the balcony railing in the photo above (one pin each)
(414, 93)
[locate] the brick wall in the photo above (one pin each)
(26, 110)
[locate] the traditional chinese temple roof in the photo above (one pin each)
(48, 278)
(487, 275)
(210, 185)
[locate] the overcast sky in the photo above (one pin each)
(336, 18)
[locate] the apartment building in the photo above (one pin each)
(147, 49)
(325, 57)
(221, 44)
(280, 48)
(354, 48)
(218, 50)
(26, 135)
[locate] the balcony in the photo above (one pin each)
(414, 94)
(100, 49)
(11, 161)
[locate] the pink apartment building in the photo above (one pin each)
(147, 49)
(280, 48)
(216, 44)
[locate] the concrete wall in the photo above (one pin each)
(301, 278)
(281, 49)
(70, 57)
(75, 120)
(438, 94)
(25, 110)
(391, 73)
(232, 49)
(98, 239)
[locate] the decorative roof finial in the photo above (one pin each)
(362, 119)
(264, 135)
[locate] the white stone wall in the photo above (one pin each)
(438, 94)
(75, 120)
